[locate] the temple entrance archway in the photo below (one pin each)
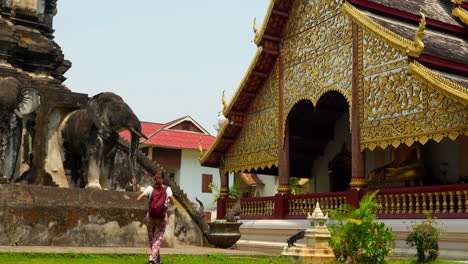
(317, 135)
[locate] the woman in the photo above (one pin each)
(159, 195)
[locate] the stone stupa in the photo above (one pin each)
(317, 249)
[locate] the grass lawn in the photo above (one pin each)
(25, 258)
(33, 258)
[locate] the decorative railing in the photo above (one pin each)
(446, 201)
(263, 207)
(442, 201)
(300, 205)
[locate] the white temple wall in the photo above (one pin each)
(190, 178)
(271, 185)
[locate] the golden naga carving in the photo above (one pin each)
(412, 48)
(461, 13)
(418, 46)
(225, 104)
(200, 148)
(255, 29)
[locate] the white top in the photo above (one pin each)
(149, 190)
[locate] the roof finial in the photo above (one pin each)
(255, 29)
(418, 43)
(200, 148)
(223, 99)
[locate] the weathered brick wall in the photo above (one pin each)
(52, 216)
(39, 215)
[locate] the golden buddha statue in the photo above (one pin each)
(407, 163)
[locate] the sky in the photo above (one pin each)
(166, 59)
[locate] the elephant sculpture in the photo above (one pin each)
(17, 107)
(90, 138)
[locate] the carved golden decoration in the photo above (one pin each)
(224, 192)
(317, 53)
(405, 108)
(229, 106)
(412, 48)
(282, 188)
(306, 14)
(215, 143)
(255, 29)
(224, 100)
(256, 146)
(244, 80)
(441, 84)
(200, 148)
(357, 183)
(259, 37)
(461, 13)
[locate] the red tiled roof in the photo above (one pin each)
(146, 128)
(171, 138)
(180, 139)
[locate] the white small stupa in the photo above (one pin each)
(317, 249)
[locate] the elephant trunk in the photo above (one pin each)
(133, 130)
(133, 149)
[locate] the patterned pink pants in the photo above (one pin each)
(155, 235)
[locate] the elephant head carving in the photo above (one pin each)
(16, 106)
(106, 115)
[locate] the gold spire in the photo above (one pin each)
(418, 43)
(223, 99)
(200, 148)
(255, 28)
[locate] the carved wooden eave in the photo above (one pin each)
(204, 157)
(461, 13)
(443, 85)
(268, 41)
(410, 47)
(391, 24)
(261, 34)
(247, 75)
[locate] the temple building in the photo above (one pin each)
(354, 95)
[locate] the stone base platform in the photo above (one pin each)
(308, 255)
(51, 216)
(270, 236)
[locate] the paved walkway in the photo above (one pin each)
(178, 250)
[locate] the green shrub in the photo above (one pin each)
(425, 237)
(234, 191)
(357, 236)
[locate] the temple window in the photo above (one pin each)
(207, 179)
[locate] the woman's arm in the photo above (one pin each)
(171, 200)
(141, 196)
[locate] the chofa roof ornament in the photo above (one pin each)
(256, 31)
(418, 46)
(224, 100)
(412, 48)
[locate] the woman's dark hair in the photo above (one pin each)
(162, 174)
